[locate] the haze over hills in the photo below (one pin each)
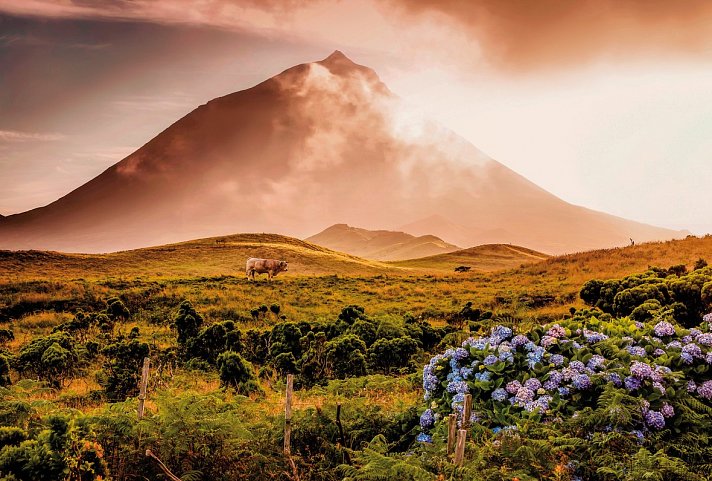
(380, 245)
(321, 143)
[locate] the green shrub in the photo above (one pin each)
(237, 373)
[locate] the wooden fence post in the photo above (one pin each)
(460, 449)
(466, 411)
(144, 384)
(451, 433)
(288, 416)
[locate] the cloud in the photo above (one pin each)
(18, 136)
(216, 13)
(529, 34)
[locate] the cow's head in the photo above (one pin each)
(283, 266)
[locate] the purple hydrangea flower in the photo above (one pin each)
(513, 386)
(532, 384)
(577, 366)
(519, 340)
(692, 349)
(664, 328)
(654, 419)
(548, 341)
(708, 358)
(659, 387)
(641, 370)
(557, 359)
(667, 410)
(568, 373)
(704, 339)
(691, 386)
(674, 345)
(596, 362)
(705, 390)
(707, 318)
(556, 331)
(658, 352)
(524, 395)
(466, 372)
(499, 394)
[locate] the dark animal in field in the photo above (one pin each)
(463, 268)
(271, 267)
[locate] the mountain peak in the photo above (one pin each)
(337, 56)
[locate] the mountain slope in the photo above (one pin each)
(320, 143)
(489, 257)
(203, 257)
(380, 245)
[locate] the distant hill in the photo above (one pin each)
(489, 257)
(383, 245)
(320, 143)
(204, 257)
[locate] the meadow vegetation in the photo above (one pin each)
(74, 331)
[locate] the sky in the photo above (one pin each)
(605, 103)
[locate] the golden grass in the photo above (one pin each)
(484, 258)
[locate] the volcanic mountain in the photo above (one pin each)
(319, 144)
(381, 245)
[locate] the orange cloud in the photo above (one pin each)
(526, 34)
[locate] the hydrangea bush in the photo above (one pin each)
(556, 370)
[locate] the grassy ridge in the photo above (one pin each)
(488, 257)
(215, 256)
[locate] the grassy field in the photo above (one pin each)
(41, 290)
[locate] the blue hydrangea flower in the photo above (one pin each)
(489, 360)
(636, 351)
(632, 383)
(593, 337)
(499, 394)
(427, 419)
(506, 356)
(424, 438)
(563, 391)
(596, 362)
(614, 378)
(483, 376)
(581, 382)
(501, 332)
(457, 387)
